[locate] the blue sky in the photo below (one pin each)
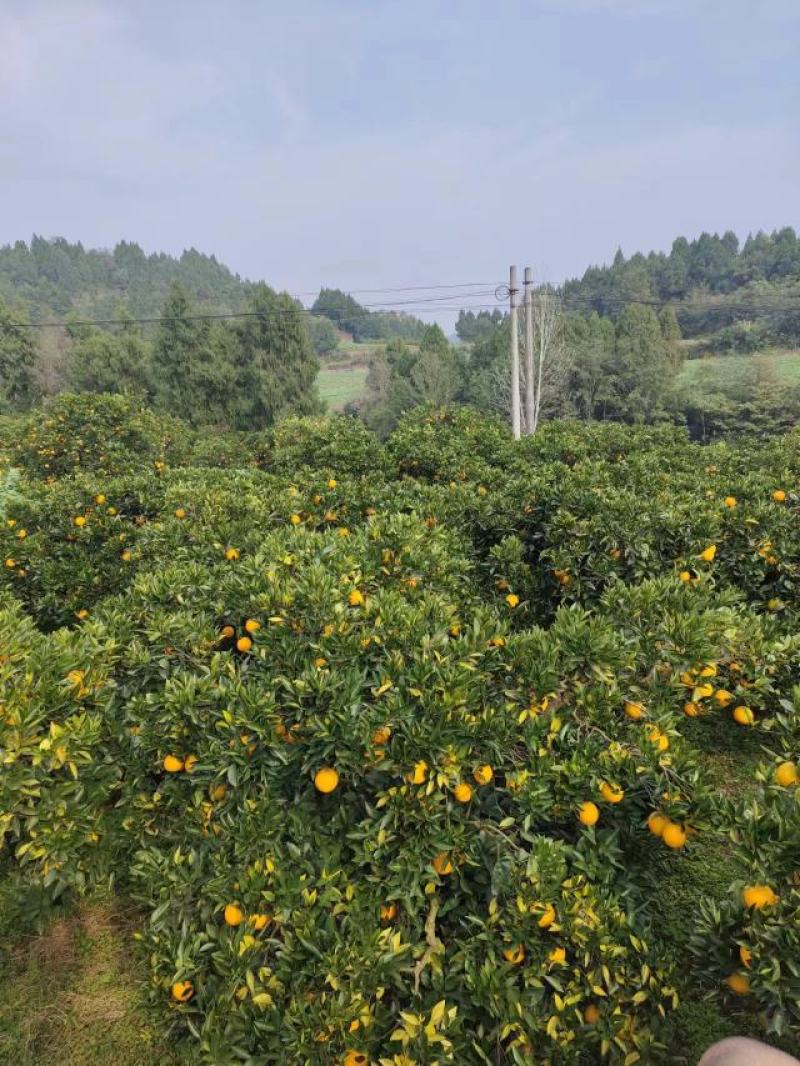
(367, 144)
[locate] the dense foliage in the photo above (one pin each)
(364, 325)
(399, 748)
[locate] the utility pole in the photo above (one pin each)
(516, 428)
(530, 423)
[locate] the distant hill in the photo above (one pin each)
(49, 278)
(741, 294)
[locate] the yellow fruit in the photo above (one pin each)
(674, 836)
(354, 1058)
(252, 625)
(259, 921)
(227, 631)
(787, 775)
(418, 774)
(746, 955)
(295, 519)
(758, 896)
(738, 983)
(709, 670)
(355, 598)
(611, 793)
(634, 710)
(462, 792)
(218, 792)
(483, 774)
(442, 864)
(234, 915)
(707, 554)
(332, 483)
(514, 955)
(512, 600)
(730, 501)
(743, 716)
(125, 556)
(779, 495)
(702, 692)
(382, 735)
(326, 779)
(548, 917)
(100, 499)
(182, 991)
(557, 955)
(592, 1014)
(588, 813)
(691, 710)
(657, 823)
(723, 697)
(232, 554)
(180, 513)
(79, 521)
(244, 644)
(685, 577)
(172, 764)
(189, 763)
(388, 912)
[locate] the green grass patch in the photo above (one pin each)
(726, 372)
(340, 387)
(72, 997)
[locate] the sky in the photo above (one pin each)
(371, 143)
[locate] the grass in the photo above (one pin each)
(725, 371)
(339, 386)
(72, 997)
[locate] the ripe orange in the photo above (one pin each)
(172, 764)
(673, 835)
(588, 813)
(512, 600)
(189, 763)
(218, 792)
(244, 644)
(787, 775)
(233, 914)
(514, 955)
(707, 554)
(738, 983)
(779, 495)
(388, 911)
(592, 1014)
(79, 521)
(657, 823)
(746, 955)
(442, 864)
(232, 554)
(418, 774)
(252, 625)
(743, 716)
(611, 793)
(356, 598)
(690, 709)
(381, 735)
(180, 513)
(227, 631)
(462, 792)
(354, 1058)
(557, 955)
(758, 896)
(182, 991)
(326, 779)
(259, 921)
(483, 774)
(730, 501)
(548, 917)
(634, 710)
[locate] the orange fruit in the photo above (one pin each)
(355, 598)
(172, 764)
(462, 792)
(557, 955)
(418, 774)
(634, 710)
(611, 793)
(588, 813)
(738, 983)
(592, 1014)
(355, 1058)
(707, 554)
(657, 823)
(326, 779)
(787, 775)
(548, 917)
(758, 896)
(252, 625)
(233, 914)
(388, 911)
(244, 644)
(189, 763)
(483, 774)
(674, 836)
(259, 921)
(381, 735)
(442, 864)
(746, 955)
(743, 716)
(182, 991)
(779, 495)
(514, 955)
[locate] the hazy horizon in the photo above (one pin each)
(391, 145)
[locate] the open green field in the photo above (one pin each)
(725, 371)
(341, 385)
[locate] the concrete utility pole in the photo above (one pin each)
(516, 428)
(530, 420)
